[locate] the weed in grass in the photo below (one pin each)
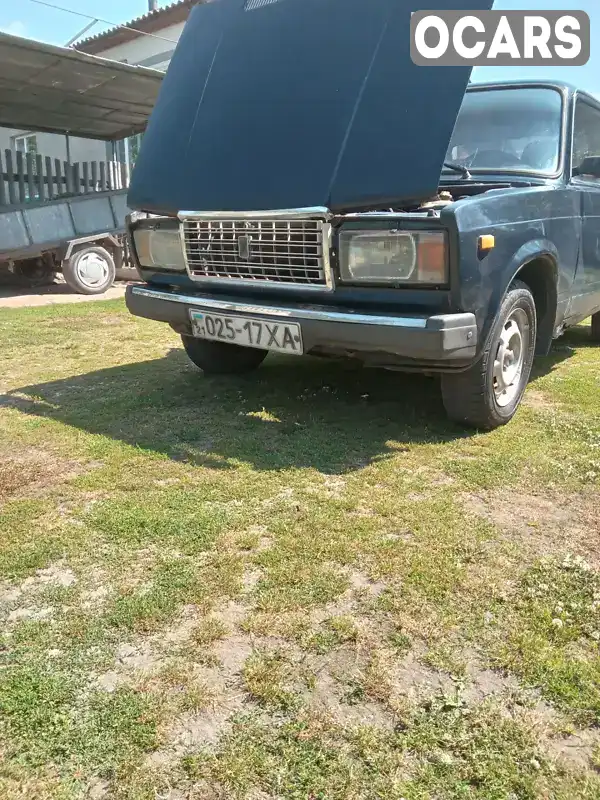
(289, 585)
(443, 656)
(31, 538)
(40, 713)
(175, 583)
(549, 635)
(293, 626)
(332, 633)
(444, 751)
(401, 643)
(208, 631)
(268, 678)
(175, 517)
(179, 688)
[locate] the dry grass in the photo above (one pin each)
(303, 583)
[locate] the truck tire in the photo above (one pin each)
(596, 327)
(34, 272)
(90, 270)
(220, 358)
(488, 394)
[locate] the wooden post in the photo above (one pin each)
(94, 176)
(50, 178)
(21, 177)
(39, 169)
(86, 177)
(2, 190)
(10, 177)
(30, 176)
(102, 176)
(60, 187)
(68, 177)
(76, 179)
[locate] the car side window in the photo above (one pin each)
(586, 134)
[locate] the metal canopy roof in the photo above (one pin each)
(60, 90)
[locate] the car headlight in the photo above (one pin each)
(395, 257)
(159, 247)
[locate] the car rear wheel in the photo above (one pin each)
(220, 358)
(596, 327)
(488, 394)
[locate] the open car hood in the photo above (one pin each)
(275, 104)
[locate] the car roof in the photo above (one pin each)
(562, 86)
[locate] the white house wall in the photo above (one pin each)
(147, 50)
(54, 145)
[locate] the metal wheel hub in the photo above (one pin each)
(510, 358)
(92, 269)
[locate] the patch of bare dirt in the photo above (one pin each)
(361, 584)
(483, 683)
(55, 575)
(18, 603)
(250, 579)
(538, 401)
(327, 697)
(435, 477)
(331, 486)
(363, 511)
(543, 523)
(410, 676)
(576, 749)
(204, 728)
(20, 614)
(29, 472)
(132, 662)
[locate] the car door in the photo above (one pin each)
(586, 142)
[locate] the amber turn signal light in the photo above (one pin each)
(487, 242)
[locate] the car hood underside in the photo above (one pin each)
(275, 104)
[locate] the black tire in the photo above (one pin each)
(470, 397)
(220, 358)
(34, 272)
(96, 280)
(596, 327)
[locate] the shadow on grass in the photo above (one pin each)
(330, 415)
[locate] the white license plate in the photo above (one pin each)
(283, 337)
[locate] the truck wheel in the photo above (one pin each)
(596, 327)
(220, 358)
(34, 272)
(488, 394)
(90, 270)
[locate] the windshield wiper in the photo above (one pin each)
(458, 168)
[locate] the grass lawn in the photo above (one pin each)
(304, 583)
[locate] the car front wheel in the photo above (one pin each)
(596, 328)
(220, 358)
(488, 394)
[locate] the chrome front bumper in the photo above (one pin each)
(443, 339)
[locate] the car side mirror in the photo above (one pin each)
(589, 166)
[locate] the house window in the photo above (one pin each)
(26, 143)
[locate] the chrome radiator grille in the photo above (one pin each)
(282, 251)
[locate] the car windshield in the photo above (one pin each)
(508, 129)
